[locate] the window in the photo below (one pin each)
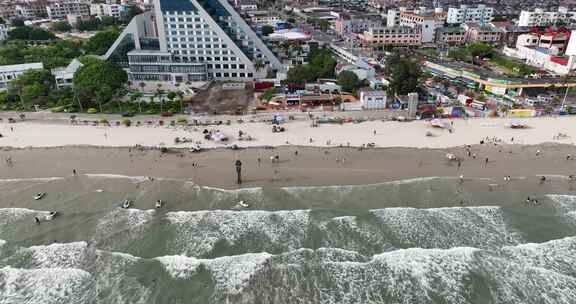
(225, 66)
(218, 74)
(226, 75)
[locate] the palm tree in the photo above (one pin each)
(259, 64)
(159, 93)
(77, 99)
(180, 98)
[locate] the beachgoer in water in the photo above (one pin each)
(74, 171)
(36, 220)
(486, 161)
(537, 152)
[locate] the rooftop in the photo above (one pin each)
(21, 67)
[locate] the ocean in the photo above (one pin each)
(427, 240)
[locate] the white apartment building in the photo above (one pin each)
(65, 76)
(424, 19)
(102, 9)
(11, 72)
(464, 14)
(59, 10)
(539, 17)
(190, 40)
(4, 29)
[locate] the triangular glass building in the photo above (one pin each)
(192, 40)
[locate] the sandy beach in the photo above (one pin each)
(388, 134)
(36, 149)
(310, 167)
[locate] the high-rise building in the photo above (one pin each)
(465, 14)
(192, 40)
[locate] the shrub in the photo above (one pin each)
(104, 121)
(127, 122)
(91, 111)
(57, 110)
(182, 121)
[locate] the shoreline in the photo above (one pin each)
(310, 166)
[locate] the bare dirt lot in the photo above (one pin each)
(218, 100)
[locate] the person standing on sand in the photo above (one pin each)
(238, 165)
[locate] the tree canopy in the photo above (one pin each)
(98, 81)
(33, 87)
(321, 65)
(348, 81)
(61, 26)
(405, 74)
(30, 33)
(101, 42)
(54, 55)
(267, 30)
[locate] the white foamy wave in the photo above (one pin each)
(347, 188)
(120, 223)
(67, 255)
(481, 227)
(45, 285)
(116, 176)
(232, 273)
(198, 232)
(11, 215)
(514, 282)
(30, 179)
(565, 205)
(556, 255)
(180, 267)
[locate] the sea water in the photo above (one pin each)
(431, 240)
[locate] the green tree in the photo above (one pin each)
(101, 42)
(348, 81)
(405, 75)
(30, 33)
(32, 87)
(61, 26)
(267, 30)
(17, 22)
(321, 65)
(133, 11)
(98, 81)
(268, 95)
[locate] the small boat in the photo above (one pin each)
(126, 204)
(243, 204)
(39, 196)
(159, 204)
(51, 215)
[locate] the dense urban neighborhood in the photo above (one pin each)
(178, 56)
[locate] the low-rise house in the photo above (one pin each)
(65, 76)
(454, 35)
(373, 99)
(11, 72)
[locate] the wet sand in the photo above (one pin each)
(309, 167)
